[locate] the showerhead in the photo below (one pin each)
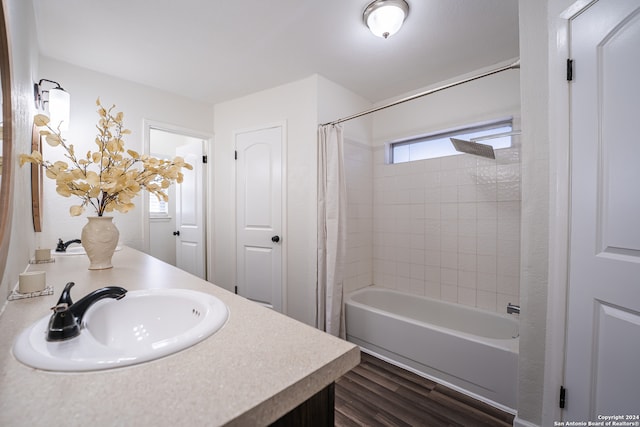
(475, 148)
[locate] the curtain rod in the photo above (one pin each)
(512, 66)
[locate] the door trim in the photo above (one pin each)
(561, 15)
(149, 124)
(283, 208)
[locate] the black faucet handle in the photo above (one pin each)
(65, 296)
(62, 324)
(60, 308)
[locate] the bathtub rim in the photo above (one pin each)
(507, 344)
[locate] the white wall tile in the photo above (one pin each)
(486, 300)
(432, 178)
(449, 293)
(467, 279)
(449, 162)
(432, 211)
(432, 241)
(467, 193)
(449, 260)
(449, 211)
(467, 227)
(448, 194)
(416, 287)
(467, 211)
(486, 175)
(467, 296)
(466, 176)
(487, 193)
(449, 243)
(449, 276)
(432, 274)
(432, 258)
(467, 262)
(508, 172)
(417, 256)
(466, 161)
(487, 282)
(487, 210)
(417, 271)
(448, 228)
(432, 289)
(487, 245)
(487, 264)
(508, 191)
(467, 244)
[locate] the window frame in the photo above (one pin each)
(453, 133)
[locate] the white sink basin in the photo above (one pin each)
(143, 326)
(76, 250)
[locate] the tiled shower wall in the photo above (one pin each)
(358, 163)
(448, 228)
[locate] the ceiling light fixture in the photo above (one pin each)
(59, 102)
(385, 17)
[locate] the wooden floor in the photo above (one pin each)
(376, 393)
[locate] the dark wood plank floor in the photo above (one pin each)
(376, 393)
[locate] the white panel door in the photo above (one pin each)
(602, 372)
(259, 211)
(190, 239)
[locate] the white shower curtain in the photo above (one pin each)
(332, 234)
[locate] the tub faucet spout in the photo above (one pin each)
(513, 309)
(66, 320)
(62, 246)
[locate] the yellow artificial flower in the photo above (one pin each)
(118, 174)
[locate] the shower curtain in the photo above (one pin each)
(332, 234)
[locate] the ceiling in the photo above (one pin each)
(215, 50)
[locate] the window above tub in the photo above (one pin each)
(438, 144)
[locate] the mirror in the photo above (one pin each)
(36, 181)
(6, 155)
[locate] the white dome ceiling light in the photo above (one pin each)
(385, 17)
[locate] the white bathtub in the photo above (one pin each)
(471, 350)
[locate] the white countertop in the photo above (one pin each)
(258, 367)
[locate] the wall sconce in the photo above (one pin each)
(59, 103)
(385, 17)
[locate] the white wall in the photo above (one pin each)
(477, 101)
(449, 228)
(301, 105)
(24, 63)
(138, 102)
(295, 105)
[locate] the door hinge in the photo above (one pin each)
(204, 159)
(563, 397)
(235, 290)
(569, 69)
(235, 155)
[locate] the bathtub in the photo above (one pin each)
(470, 350)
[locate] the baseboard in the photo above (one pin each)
(519, 422)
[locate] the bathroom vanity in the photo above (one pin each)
(260, 368)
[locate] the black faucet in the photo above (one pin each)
(62, 246)
(66, 319)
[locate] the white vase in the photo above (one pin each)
(99, 239)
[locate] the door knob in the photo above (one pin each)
(275, 239)
(176, 233)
